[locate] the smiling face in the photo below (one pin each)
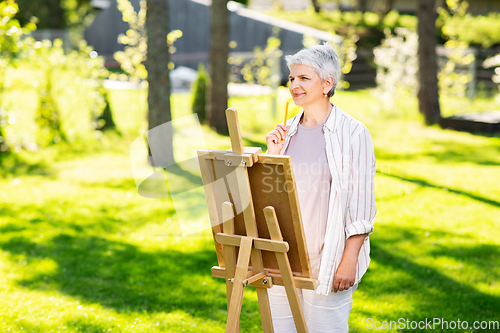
(306, 86)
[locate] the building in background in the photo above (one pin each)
(476, 7)
(248, 29)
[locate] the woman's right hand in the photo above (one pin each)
(276, 138)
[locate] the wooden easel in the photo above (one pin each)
(250, 247)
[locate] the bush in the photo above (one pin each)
(11, 43)
(63, 90)
(368, 26)
(494, 62)
(480, 30)
(397, 65)
(200, 87)
(78, 74)
(56, 14)
(105, 120)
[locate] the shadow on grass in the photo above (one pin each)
(17, 165)
(449, 150)
(423, 182)
(459, 152)
(252, 143)
(121, 276)
(427, 291)
(81, 217)
(40, 162)
(125, 184)
(187, 176)
(75, 325)
(436, 290)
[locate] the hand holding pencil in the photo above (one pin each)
(275, 138)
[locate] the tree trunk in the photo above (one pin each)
(4, 149)
(383, 7)
(388, 6)
(361, 5)
(317, 7)
(219, 71)
(158, 57)
(428, 98)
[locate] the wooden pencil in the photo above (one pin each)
(286, 116)
(286, 112)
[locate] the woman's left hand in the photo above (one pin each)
(345, 276)
(346, 272)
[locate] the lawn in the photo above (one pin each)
(81, 251)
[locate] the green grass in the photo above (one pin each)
(81, 251)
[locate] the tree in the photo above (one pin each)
(219, 71)
(159, 83)
(146, 56)
(428, 97)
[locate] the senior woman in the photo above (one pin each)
(334, 166)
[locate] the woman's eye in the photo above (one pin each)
(291, 80)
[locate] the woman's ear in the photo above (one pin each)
(328, 83)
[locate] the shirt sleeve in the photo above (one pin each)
(361, 209)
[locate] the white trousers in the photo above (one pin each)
(323, 314)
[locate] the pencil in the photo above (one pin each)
(286, 116)
(286, 112)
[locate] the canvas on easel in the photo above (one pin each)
(257, 226)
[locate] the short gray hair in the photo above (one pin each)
(322, 58)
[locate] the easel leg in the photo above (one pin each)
(229, 251)
(233, 317)
(286, 272)
(265, 310)
(291, 292)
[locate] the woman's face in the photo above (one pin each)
(306, 86)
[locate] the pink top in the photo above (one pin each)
(313, 179)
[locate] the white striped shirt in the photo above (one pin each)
(351, 208)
